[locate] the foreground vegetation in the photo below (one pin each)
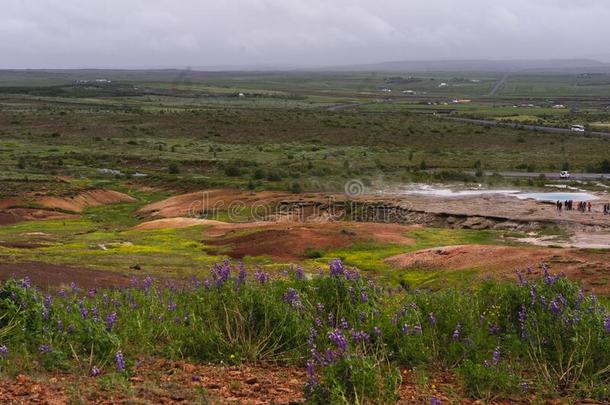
(541, 335)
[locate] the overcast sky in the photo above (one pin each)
(180, 33)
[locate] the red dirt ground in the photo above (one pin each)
(15, 215)
(79, 202)
(193, 204)
(290, 240)
(591, 268)
(46, 275)
(167, 382)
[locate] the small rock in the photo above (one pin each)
(178, 396)
(252, 380)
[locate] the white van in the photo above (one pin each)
(577, 128)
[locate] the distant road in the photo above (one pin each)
(552, 176)
(498, 85)
(539, 128)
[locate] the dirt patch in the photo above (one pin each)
(176, 223)
(168, 382)
(591, 269)
(283, 244)
(21, 245)
(291, 241)
(15, 215)
(79, 202)
(46, 275)
(194, 204)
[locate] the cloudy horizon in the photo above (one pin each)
(295, 33)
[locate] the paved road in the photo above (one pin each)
(552, 130)
(498, 85)
(554, 175)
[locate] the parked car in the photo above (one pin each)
(577, 128)
(564, 174)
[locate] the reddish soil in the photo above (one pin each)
(193, 204)
(46, 275)
(167, 382)
(79, 202)
(591, 269)
(15, 215)
(283, 244)
(290, 241)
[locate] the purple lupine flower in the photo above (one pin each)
(524, 386)
(432, 319)
(147, 283)
(261, 276)
(533, 293)
(336, 268)
(360, 336)
(3, 351)
(91, 293)
(352, 295)
(195, 378)
(111, 320)
(529, 270)
(343, 324)
(45, 349)
(363, 296)
(362, 316)
(607, 323)
(405, 329)
(299, 274)
(522, 281)
(555, 307)
(60, 325)
(120, 361)
(171, 306)
(96, 316)
(73, 287)
(522, 318)
(311, 372)
(26, 282)
(543, 301)
(338, 340)
(481, 320)
(313, 334)
(241, 276)
(331, 319)
(292, 297)
(435, 401)
(494, 329)
(48, 301)
(495, 357)
(377, 331)
(320, 307)
(417, 329)
(456, 332)
(61, 293)
(318, 322)
(593, 302)
(95, 372)
(84, 312)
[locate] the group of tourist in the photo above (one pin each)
(582, 206)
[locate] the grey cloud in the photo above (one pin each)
(163, 33)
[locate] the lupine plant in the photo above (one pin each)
(352, 335)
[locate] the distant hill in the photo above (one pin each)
(550, 65)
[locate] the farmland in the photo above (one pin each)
(196, 236)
